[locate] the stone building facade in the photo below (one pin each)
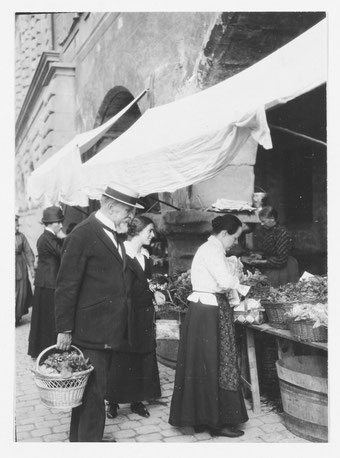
(76, 70)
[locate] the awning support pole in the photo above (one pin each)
(165, 203)
(297, 134)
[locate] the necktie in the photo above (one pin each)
(113, 232)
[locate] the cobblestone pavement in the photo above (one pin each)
(38, 423)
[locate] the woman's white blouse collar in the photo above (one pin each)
(130, 251)
(216, 242)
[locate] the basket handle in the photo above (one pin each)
(50, 348)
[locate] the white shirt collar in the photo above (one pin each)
(130, 251)
(216, 242)
(49, 230)
(105, 220)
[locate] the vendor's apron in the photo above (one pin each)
(286, 274)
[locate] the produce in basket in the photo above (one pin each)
(313, 289)
(64, 364)
(305, 311)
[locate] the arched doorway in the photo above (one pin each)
(114, 101)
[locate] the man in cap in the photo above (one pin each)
(92, 301)
(49, 247)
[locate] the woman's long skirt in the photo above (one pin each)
(42, 333)
(133, 377)
(23, 292)
(198, 398)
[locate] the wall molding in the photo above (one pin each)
(48, 65)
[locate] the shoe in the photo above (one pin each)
(140, 409)
(229, 431)
(111, 409)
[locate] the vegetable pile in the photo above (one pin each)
(64, 364)
(259, 284)
(314, 289)
(315, 312)
(176, 289)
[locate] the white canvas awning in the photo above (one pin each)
(192, 139)
(54, 180)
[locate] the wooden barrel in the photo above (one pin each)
(304, 393)
(167, 349)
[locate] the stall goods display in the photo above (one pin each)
(309, 322)
(280, 301)
(249, 311)
(259, 285)
(313, 289)
(176, 289)
(318, 313)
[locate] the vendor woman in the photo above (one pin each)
(279, 266)
(207, 392)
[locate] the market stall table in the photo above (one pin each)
(285, 341)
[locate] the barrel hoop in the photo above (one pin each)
(302, 427)
(290, 386)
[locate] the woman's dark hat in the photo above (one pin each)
(123, 194)
(52, 215)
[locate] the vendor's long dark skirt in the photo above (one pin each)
(197, 398)
(133, 377)
(42, 332)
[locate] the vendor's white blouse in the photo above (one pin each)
(211, 272)
(130, 251)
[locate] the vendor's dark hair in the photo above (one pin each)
(229, 223)
(268, 212)
(138, 224)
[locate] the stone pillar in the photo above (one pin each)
(44, 125)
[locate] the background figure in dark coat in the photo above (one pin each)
(49, 246)
(280, 267)
(92, 302)
(24, 257)
(134, 373)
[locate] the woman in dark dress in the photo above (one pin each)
(24, 257)
(49, 246)
(207, 392)
(277, 263)
(134, 373)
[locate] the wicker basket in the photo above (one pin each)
(241, 315)
(61, 392)
(303, 330)
(276, 313)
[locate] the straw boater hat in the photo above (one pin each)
(52, 214)
(123, 194)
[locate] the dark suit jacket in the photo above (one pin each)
(142, 309)
(91, 296)
(49, 249)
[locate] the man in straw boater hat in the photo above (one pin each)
(93, 303)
